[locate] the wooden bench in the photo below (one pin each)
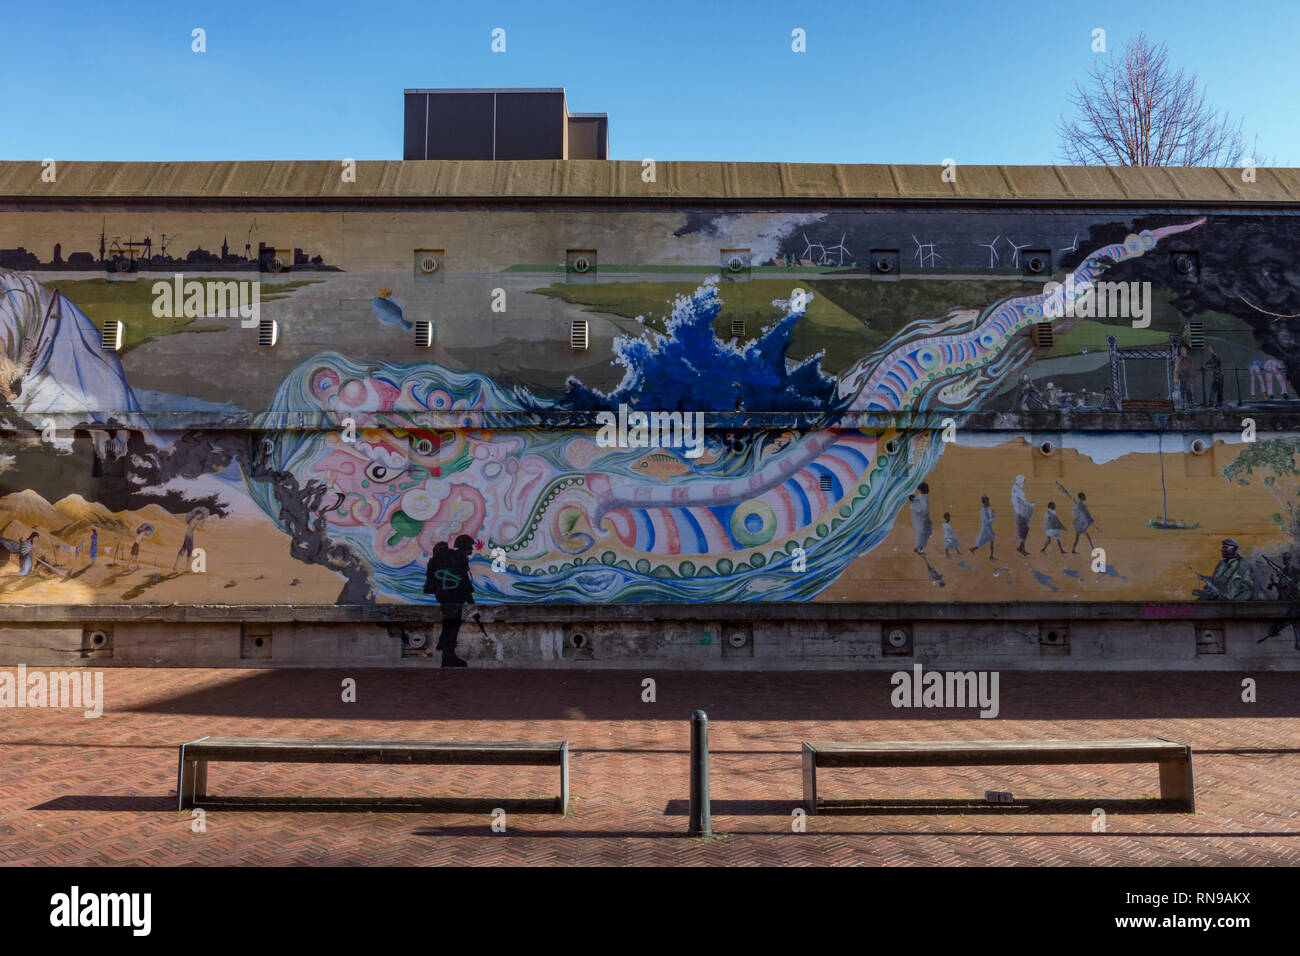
(192, 780)
(1174, 759)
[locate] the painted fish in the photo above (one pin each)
(389, 311)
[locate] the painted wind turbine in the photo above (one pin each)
(921, 251)
(1016, 249)
(841, 250)
(992, 248)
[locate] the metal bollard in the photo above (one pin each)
(700, 822)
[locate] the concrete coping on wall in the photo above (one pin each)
(608, 181)
(612, 613)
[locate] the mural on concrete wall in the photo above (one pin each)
(822, 472)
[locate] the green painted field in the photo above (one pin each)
(825, 326)
(131, 303)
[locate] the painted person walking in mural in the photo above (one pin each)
(1256, 375)
(193, 521)
(1082, 519)
(986, 528)
(1214, 366)
(1272, 368)
(142, 534)
(920, 505)
(949, 536)
(1053, 528)
(93, 546)
(448, 579)
(1024, 510)
(1183, 369)
(1232, 579)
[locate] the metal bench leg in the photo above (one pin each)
(564, 779)
(185, 783)
(1176, 782)
(200, 779)
(190, 773)
(810, 780)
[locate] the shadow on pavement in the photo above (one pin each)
(110, 804)
(763, 808)
(433, 694)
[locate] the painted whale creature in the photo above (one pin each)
(561, 518)
(52, 359)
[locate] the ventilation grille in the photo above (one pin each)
(580, 265)
(1042, 334)
(578, 334)
(277, 260)
(824, 482)
(735, 264)
(96, 641)
(268, 333)
(885, 262)
(423, 333)
(738, 328)
(896, 639)
(111, 336)
(1196, 334)
(1210, 640)
(429, 265)
(1036, 261)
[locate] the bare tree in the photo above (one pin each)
(1138, 111)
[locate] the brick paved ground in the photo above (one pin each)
(77, 791)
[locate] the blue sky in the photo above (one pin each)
(982, 81)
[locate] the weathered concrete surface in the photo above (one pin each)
(40, 644)
(432, 180)
(690, 640)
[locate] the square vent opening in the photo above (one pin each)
(885, 263)
(96, 641)
(1036, 262)
(735, 264)
(580, 265)
(1210, 639)
(738, 640)
(429, 265)
(896, 639)
(1054, 640)
(254, 641)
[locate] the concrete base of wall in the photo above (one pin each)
(583, 640)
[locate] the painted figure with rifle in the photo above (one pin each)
(1232, 580)
(1286, 583)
